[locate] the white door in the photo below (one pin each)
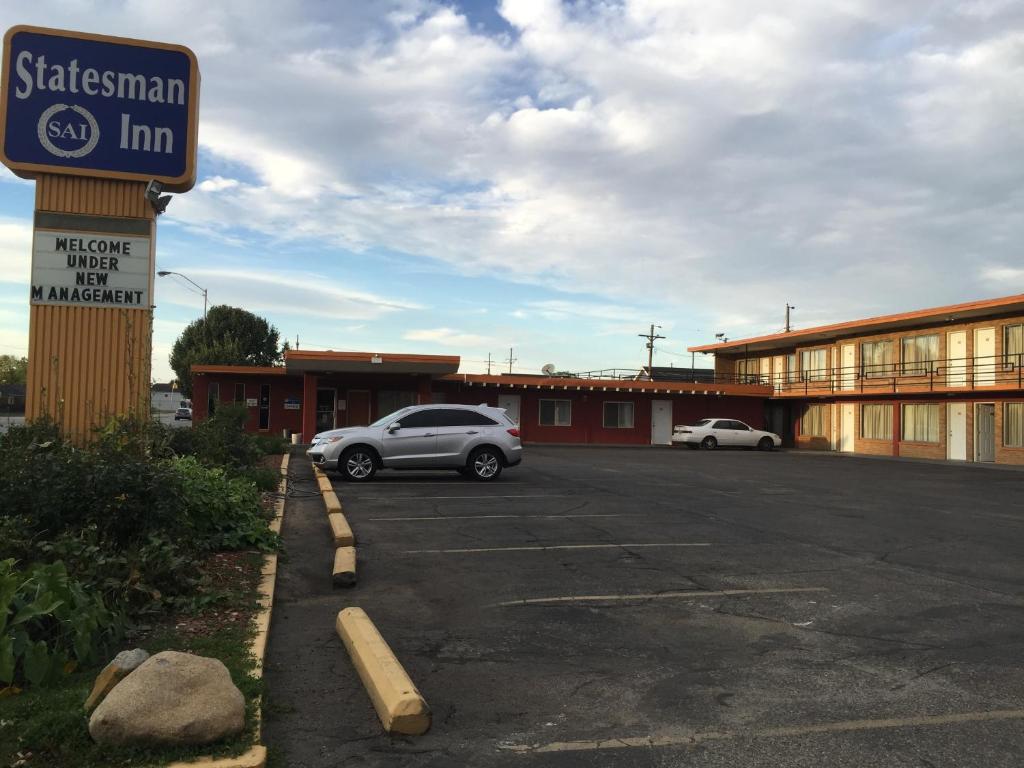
(779, 365)
(661, 422)
(956, 354)
(956, 426)
(846, 439)
(511, 404)
(849, 366)
(765, 370)
(984, 357)
(833, 439)
(985, 432)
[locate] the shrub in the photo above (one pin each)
(47, 620)
(220, 440)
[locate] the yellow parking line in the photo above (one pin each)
(541, 549)
(686, 739)
(693, 594)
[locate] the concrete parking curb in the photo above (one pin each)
(344, 572)
(341, 533)
(256, 756)
(400, 706)
(331, 501)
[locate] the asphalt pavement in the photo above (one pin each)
(625, 607)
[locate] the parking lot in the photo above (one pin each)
(648, 607)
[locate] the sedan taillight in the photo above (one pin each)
(514, 432)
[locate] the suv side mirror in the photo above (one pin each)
(394, 426)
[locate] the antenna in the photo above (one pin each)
(548, 369)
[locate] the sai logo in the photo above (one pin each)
(67, 130)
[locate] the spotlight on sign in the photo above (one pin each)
(158, 201)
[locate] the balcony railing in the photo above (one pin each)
(967, 373)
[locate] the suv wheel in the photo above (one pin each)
(484, 464)
(357, 464)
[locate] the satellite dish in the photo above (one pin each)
(548, 369)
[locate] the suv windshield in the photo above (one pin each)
(384, 421)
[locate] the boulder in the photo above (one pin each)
(114, 673)
(171, 699)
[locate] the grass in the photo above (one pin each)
(48, 727)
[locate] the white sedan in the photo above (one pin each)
(727, 433)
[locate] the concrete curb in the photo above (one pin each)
(256, 756)
(344, 572)
(331, 501)
(400, 706)
(341, 533)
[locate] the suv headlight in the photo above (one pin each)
(329, 439)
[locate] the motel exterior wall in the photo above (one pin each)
(845, 386)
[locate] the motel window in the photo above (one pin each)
(793, 373)
(876, 359)
(212, 398)
(876, 422)
(618, 416)
(919, 354)
(1013, 425)
(747, 371)
(1013, 345)
(239, 393)
(921, 423)
(555, 413)
(812, 421)
(813, 364)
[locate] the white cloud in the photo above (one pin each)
(217, 184)
(447, 337)
(15, 251)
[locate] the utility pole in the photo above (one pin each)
(488, 363)
(788, 307)
(296, 341)
(510, 360)
(650, 347)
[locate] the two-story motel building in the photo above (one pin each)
(940, 383)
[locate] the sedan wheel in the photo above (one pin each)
(709, 443)
(765, 444)
(358, 465)
(484, 464)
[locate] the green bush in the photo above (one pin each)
(220, 440)
(46, 621)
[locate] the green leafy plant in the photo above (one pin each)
(46, 621)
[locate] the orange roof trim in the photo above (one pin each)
(250, 370)
(838, 328)
(610, 385)
(312, 354)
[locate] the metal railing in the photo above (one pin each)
(966, 373)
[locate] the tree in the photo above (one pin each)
(228, 336)
(13, 370)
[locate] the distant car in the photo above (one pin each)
(725, 433)
(183, 413)
(476, 440)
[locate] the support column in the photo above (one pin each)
(897, 428)
(425, 396)
(87, 364)
(309, 381)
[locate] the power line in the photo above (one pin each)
(650, 345)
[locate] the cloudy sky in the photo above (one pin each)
(465, 177)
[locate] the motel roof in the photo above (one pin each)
(322, 362)
(571, 384)
(948, 313)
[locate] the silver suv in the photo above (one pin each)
(475, 440)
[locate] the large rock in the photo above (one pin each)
(171, 699)
(114, 673)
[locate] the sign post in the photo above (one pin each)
(101, 123)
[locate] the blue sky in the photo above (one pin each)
(433, 177)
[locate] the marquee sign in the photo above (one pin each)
(92, 105)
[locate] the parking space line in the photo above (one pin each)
(432, 498)
(690, 595)
(484, 517)
(544, 548)
(685, 739)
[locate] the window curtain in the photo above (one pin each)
(618, 415)
(1013, 344)
(1013, 425)
(919, 355)
(921, 423)
(876, 359)
(812, 423)
(876, 422)
(814, 364)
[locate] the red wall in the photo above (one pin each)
(281, 388)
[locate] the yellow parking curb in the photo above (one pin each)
(341, 533)
(255, 756)
(318, 472)
(325, 484)
(332, 502)
(344, 572)
(400, 706)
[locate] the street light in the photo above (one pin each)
(165, 273)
